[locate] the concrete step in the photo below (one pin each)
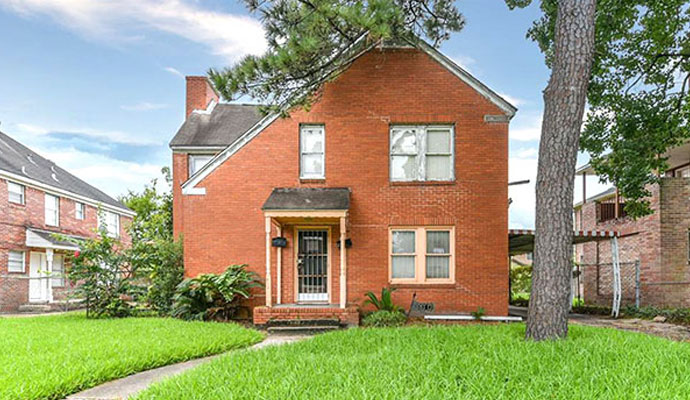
(35, 308)
(296, 329)
(334, 322)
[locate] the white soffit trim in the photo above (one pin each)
(63, 193)
(466, 77)
(34, 240)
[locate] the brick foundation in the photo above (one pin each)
(348, 316)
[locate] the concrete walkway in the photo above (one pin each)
(123, 388)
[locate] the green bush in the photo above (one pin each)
(385, 303)
(213, 296)
(672, 315)
(381, 319)
(520, 280)
(166, 273)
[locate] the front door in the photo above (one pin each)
(312, 265)
(38, 277)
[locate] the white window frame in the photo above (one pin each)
(192, 159)
(421, 254)
(302, 152)
(421, 153)
(23, 255)
(103, 219)
(79, 211)
(54, 213)
(57, 280)
(22, 192)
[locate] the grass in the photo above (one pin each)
(462, 362)
(49, 357)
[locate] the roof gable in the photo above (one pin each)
(189, 187)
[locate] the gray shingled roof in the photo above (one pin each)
(21, 160)
(308, 199)
(220, 127)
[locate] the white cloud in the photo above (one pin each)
(465, 62)
(527, 131)
(530, 152)
(516, 101)
(521, 211)
(143, 106)
(174, 71)
(227, 35)
(108, 136)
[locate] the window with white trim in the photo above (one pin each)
(79, 210)
(110, 222)
(15, 192)
(52, 209)
(422, 255)
(422, 153)
(57, 278)
(16, 261)
(312, 152)
(197, 161)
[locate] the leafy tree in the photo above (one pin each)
(311, 41)
(637, 96)
(571, 24)
(153, 251)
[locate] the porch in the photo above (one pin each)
(306, 256)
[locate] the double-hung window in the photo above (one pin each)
(15, 192)
(52, 210)
(110, 222)
(312, 152)
(16, 261)
(422, 153)
(79, 210)
(422, 255)
(197, 161)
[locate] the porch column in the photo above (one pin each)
(279, 266)
(268, 262)
(48, 274)
(343, 263)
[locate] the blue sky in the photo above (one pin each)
(98, 86)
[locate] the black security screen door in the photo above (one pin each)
(312, 265)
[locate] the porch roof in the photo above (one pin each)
(308, 199)
(46, 239)
(521, 241)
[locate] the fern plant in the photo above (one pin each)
(385, 303)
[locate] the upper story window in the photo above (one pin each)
(15, 192)
(52, 208)
(79, 210)
(422, 153)
(197, 161)
(422, 255)
(111, 223)
(312, 152)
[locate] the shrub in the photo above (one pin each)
(520, 280)
(672, 315)
(479, 313)
(385, 303)
(166, 273)
(213, 296)
(383, 318)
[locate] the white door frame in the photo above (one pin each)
(40, 269)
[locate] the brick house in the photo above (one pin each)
(38, 199)
(397, 176)
(660, 242)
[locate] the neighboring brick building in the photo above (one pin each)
(659, 242)
(404, 158)
(37, 199)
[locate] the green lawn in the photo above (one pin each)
(463, 362)
(49, 357)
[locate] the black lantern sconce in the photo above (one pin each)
(279, 242)
(348, 243)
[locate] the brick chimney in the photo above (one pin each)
(200, 92)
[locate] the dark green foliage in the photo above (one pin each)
(383, 318)
(106, 278)
(520, 279)
(213, 296)
(166, 273)
(311, 41)
(479, 313)
(638, 107)
(673, 315)
(385, 303)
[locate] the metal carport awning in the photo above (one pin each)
(521, 241)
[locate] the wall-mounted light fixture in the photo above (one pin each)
(348, 243)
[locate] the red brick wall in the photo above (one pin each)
(14, 218)
(199, 94)
(226, 225)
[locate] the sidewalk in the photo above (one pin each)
(123, 388)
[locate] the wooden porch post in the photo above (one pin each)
(343, 264)
(279, 267)
(268, 262)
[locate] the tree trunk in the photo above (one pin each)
(564, 102)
